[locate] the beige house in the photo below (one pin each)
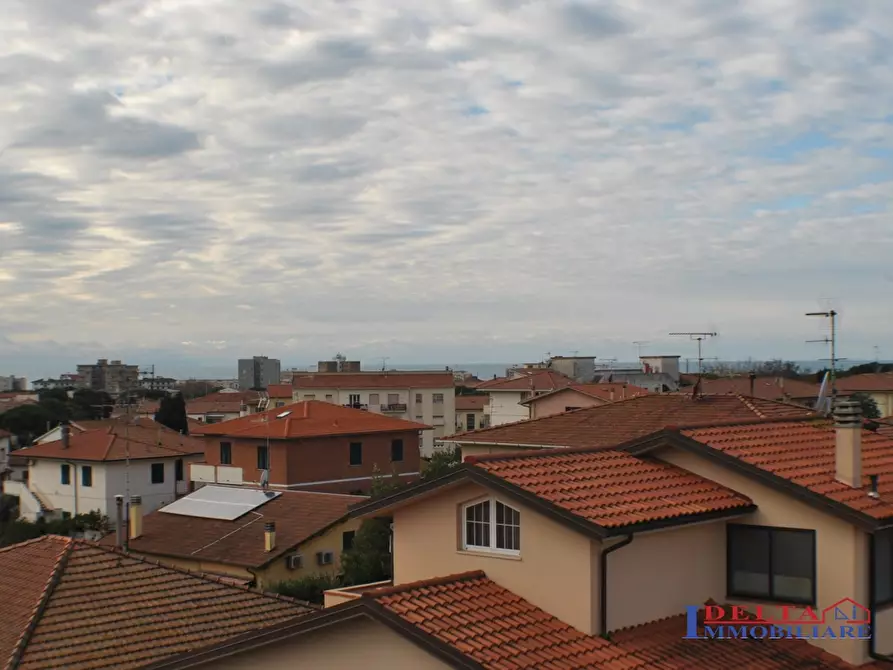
(508, 395)
(879, 386)
(579, 396)
(471, 412)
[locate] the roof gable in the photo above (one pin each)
(609, 392)
(543, 380)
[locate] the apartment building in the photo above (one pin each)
(68, 380)
(471, 412)
(423, 397)
(110, 376)
(506, 395)
(258, 372)
(12, 383)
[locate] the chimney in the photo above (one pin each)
(66, 434)
(269, 536)
(119, 522)
(611, 394)
(136, 517)
(753, 380)
(848, 443)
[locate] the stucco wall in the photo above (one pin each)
(358, 643)
(505, 407)
(842, 549)
(559, 402)
(553, 571)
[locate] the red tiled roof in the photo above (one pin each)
(71, 604)
(612, 489)
(280, 391)
(609, 391)
(502, 631)
(614, 423)
(872, 381)
(222, 402)
(802, 452)
(471, 403)
(298, 515)
(309, 418)
(118, 441)
(541, 380)
(765, 388)
(374, 380)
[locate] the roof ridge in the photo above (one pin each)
(746, 422)
(434, 581)
(544, 452)
(450, 438)
(48, 590)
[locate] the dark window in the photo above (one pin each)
(883, 567)
(347, 540)
(396, 450)
(158, 473)
(226, 453)
(86, 475)
(178, 470)
(771, 563)
(66, 474)
(356, 453)
(570, 409)
(263, 458)
(469, 422)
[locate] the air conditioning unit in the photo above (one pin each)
(294, 562)
(325, 557)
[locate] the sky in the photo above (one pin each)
(187, 182)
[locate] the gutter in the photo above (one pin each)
(872, 602)
(603, 584)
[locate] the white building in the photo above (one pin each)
(423, 396)
(506, 395)
(5, 448)
(12, 383)
(84, 471)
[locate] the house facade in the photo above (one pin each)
(472, 412)
(423, 397)
(314, 446)
(507, 395)
(225, 405)
(579, 396)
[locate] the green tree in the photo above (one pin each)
(369, 559)
(870, 409)
(27, 421)
(90, 404)
(441, 463)
(172, 413)
(309, 589)
(58, 394)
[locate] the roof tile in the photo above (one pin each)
(370, 380)
(541, 380)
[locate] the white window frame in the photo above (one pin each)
(492, 548)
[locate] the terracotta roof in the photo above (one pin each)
(541, 380)
(309, 418)
(608, 392)
(298, 516)
(280, 391)
(614, 423)
(765, 388)
(502, 631)
(222, 402)
(471, 403)
(12, 403)
(71, 604)
(118, 441)
(612, 489)
(802, 452)
(872, 381)
(374, 380)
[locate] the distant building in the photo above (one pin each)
(158, 383)
(68, 380)
(579, 368)
(471, 412)
(13, 383)
(657, 374)
(112, 377)
(338, 364)
(506, 395)
(224, 405)
(578, 396)
(258, 372)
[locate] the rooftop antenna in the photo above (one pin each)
(384, 362)
(699, 337)
(831, 315)
(639, 344)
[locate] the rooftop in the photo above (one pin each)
(873, 381)
(765, 388)
(222, 402)
(471, 403)
(609, 391)
(536, 380)
(118, 441)
(614, 423)
(298, 516)
(280, 391)
(374, 380)
(309, 418)
(72, 604)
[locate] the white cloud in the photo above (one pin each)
(408, 177)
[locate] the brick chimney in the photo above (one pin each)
(848, 443)
(136, 517)
(269, 536)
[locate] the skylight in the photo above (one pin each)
(283, 414)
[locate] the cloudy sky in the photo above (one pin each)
(188, 181)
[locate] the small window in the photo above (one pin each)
(396, 450)
(86, 475)
(393, 398)
(329, 397)
(309, 396)
(65, 469)
(883, 562)
(158, 473)
(178, 470)
(437, 398)
(347, 540)
(373, 399)
(356, 453)
(226, 453)
(469, 422)
(280, 403)
(418, 398)
(492, 525)
(776, 564)
(263, 458)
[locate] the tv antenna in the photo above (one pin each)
(639, 344)
(384, 362)
(831, 315)
(699, 337)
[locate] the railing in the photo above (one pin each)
(30, 506)
(356, 405)
(394, 407)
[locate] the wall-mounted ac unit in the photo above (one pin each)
(325, 557)
(294, 562)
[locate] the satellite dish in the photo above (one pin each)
(264, 479)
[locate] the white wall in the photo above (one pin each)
(505, 407)
(4, 453)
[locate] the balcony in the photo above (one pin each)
(394, 407)
(356, 405)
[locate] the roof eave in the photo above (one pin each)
(681, 521)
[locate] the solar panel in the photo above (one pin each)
(220, 502)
